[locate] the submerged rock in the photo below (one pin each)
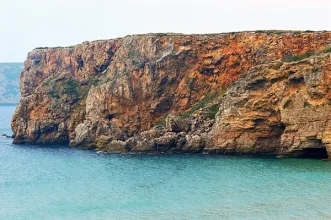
(6, 136)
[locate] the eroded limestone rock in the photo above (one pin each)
(283, 110)
(111, 94)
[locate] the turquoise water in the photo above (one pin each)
(62, 183)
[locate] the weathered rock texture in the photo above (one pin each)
(278, 108)
(111, 94)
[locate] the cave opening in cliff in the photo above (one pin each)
(314, 153)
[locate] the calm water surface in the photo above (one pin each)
(61, 183)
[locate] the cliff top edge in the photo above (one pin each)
(267, 32)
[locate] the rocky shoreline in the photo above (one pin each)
(264, 93)
(7, 136)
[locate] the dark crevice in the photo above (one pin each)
(163, 106)
(102, 67)
(207, 71)
(39, 73)
(259, 121)
(278, 129)
(80, 62)
(314, 153)
(110, 116)
(299, 80)
(257, 84)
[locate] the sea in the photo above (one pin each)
(57, 182)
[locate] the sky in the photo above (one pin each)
(27, 24)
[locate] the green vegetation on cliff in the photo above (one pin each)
(299, 57)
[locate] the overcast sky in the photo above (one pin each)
(26, 24)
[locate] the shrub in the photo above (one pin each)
(213, 111)
(71, 87)
(315, 70)
(287, 103)
(223, 93)
(49, 80)
(306, 104)
(53, 94)
(327, 50)
(201, 104)
(161, 122)
(299, 57)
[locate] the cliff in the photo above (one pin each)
(278, 108)
(160, 92)
(9, 82)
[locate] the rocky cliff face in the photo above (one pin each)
(278, 108)
(9, 82)
(111, 94)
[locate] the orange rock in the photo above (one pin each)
(127, 85)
